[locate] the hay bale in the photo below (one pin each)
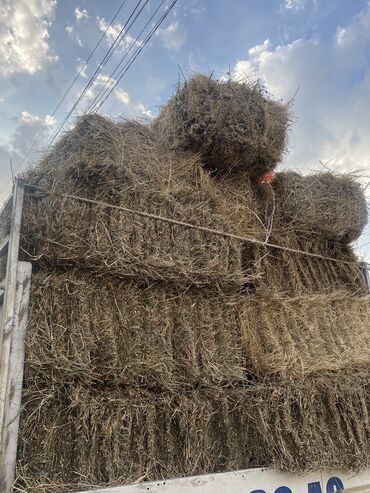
(317, 423)
(121, 437)
(124, 165)
(288, 338)
(83, 329)
(324, 205)
(291, 274)
(233, 126)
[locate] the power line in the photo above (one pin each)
(101, 65)
(137, 53)
(66, 92)
(75, 79)
(111, 80)
(106, 59)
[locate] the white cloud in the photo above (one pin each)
(74, 35)
(81, 14)
(333, 83)
(356, 34)
(173, 37)
(126, 40)
(24, 33)
(30, 119)
(131, 109)
(259, 50)
(295, 4)
(122, 96)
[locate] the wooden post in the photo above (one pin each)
(364, 267)
(12, 408)
(7, 319)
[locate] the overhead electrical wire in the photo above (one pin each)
(101, 65)
(112, 75)
(74, 80)
(68, 90)
(106, 58)
(136, 54)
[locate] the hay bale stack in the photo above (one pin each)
(121, 334)
(156, 350)
(233, 126)
(323, 205)
(124, 165)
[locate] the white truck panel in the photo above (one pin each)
(259, 480)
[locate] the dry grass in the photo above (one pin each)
(233, 126)
(119, 333)
(84, 330)
(317, 423)
(291, 274)
(325, 205)
(289, 338)
(105, 437)
(155, 350)
(73, 438)
(124, 165)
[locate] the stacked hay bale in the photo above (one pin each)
(305, 328)
(134, 352)
(158, 350)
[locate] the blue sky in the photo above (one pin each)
(315, 51)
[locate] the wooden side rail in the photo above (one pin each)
(14, 298)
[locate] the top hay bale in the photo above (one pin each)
(324, 205)
(233, 126)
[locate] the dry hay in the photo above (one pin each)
(82, 329)
(101, 437)
(95, 437)
(317, 423)
(291, 274)
(325, 205)
(233, 126)
(123, 164)
(289, 338)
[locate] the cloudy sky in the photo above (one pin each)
(316, 52)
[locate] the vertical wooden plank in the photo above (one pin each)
(12, 409)
(364, 267)
(9, 295)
